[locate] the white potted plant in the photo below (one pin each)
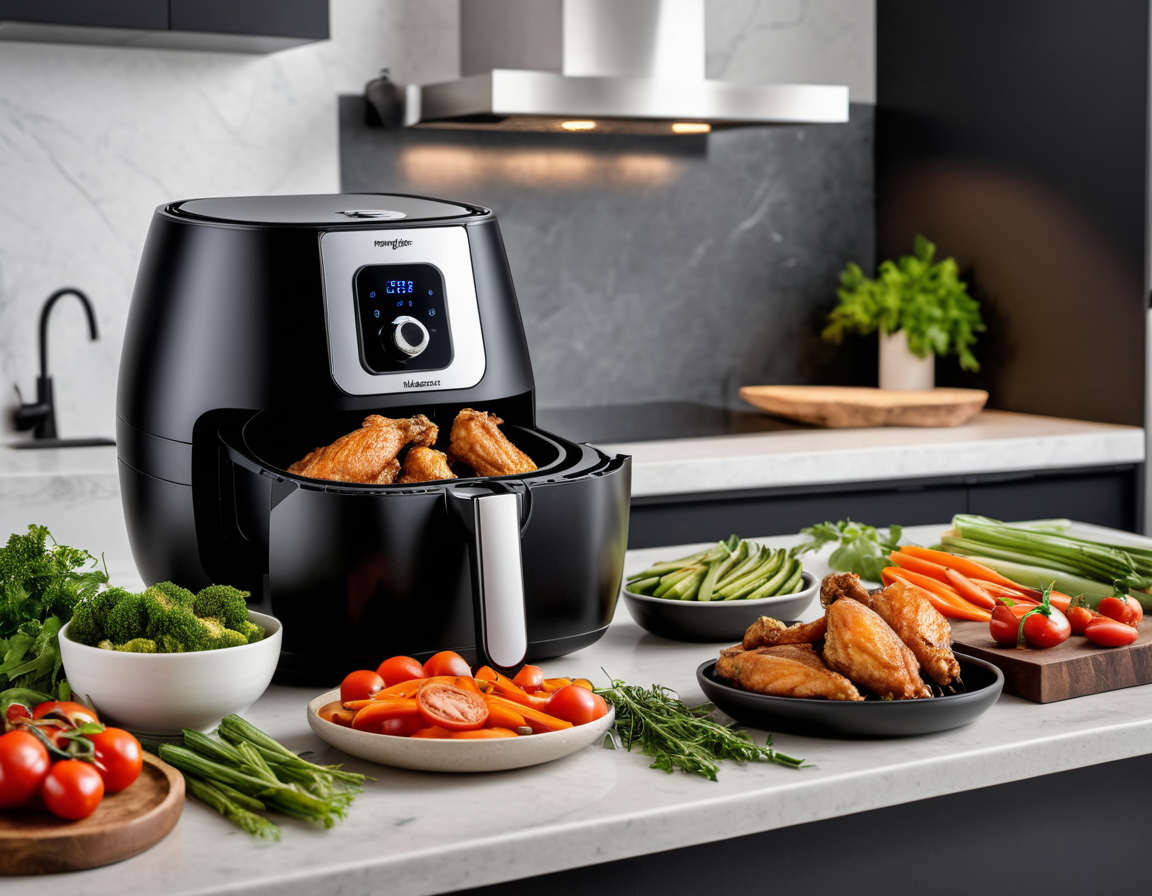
(920, 307)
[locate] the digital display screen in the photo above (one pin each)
(397, 287)
(396, 304)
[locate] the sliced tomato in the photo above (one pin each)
(450, 707)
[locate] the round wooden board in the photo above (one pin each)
(125, 824)
(856, 406)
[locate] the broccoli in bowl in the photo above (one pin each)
(165, 618)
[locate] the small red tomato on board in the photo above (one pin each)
(23, 764)
(577, 705)
(399, 669)
(446, 662)
(72, 789)
(1004, 626)
(77, 712)
(362, 684)
(530, 678)
(1122, 608)
(1046, 630)
(446, 706)
(1079, 618)
(120, 754)
(1109, 633)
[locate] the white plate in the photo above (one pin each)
(430, 755)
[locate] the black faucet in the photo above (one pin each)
(40, 415)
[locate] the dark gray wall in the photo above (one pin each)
(651, 269)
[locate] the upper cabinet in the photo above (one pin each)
(238, 26)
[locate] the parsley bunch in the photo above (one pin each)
(924, 298)
(862, 549)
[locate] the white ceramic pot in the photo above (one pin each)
(160, 693)
(902, 371)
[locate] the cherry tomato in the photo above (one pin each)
(1046, 631)
(445, 706)
(530, 678)
(72, 789)
(1124, 609)
(23, 764)
(362, 684)
(372, 717)
(18, 711)
(77, 712)
(577, 705)
(446, 662)
(1109, 633)
(1004, 626)
(399, 669)
(1079, 618)
(119, 752)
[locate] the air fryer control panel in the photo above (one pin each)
(401, 310)
(402, 318)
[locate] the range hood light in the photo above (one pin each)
(578, 125)
(691, 127)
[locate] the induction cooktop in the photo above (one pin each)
(656, 421)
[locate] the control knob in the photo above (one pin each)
(404, 338)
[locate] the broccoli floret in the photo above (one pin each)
(219, 636)
(138, 645)
(87, 625)
(127, 620)
(181, 596)
(225, 603)
(171, 624)
(252, 632)
(106, 645)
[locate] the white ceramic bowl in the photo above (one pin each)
(160, 693)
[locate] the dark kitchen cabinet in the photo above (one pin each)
(1106, 496)
(250, 26)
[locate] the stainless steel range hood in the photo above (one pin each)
(621, 66)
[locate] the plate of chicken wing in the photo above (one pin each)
(877, 664)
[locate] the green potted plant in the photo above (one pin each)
(920, 307)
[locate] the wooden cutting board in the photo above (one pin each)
(1072, 669)
(842, 407)
(124, 824)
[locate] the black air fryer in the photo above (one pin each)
(263, 327)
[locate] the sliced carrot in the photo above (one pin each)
(481, 734)
(535, 719)
(357, 705)
(969, 567)
(489, 681)
(435, 732)
(336, 713)
(551, 685)
(917, 564)
(504, 717)
(969, 590)
(941, 596)
(583, 682)
(371, 717)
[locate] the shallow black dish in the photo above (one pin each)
(872, 718)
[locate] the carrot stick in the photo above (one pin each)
(969, 567)
(941, 596)
(969, 590)
(492, 682)
(504, 717)
(917, 564)
(534, 718)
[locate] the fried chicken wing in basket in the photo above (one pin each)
(367, 455)
(477, 441)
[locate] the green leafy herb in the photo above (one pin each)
(39, 587)
(679, 736)
(862, 549)
(924, 298)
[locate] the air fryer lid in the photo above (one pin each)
(373, 209)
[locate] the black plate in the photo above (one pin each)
(872, 718)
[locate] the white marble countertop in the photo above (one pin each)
(423, 833)
(993, 442)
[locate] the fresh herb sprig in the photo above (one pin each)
(863, 549)
(676, 735)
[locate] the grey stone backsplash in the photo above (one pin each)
(656, 269)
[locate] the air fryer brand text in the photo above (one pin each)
(392, 244)
(420, 384)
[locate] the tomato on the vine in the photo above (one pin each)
(72, 789)
(1106, 632)
(447, 706)
(399, 669)
(576, 704)
(1122, 608)
(23, 764)
(362, 684)
(120, 755)
(78, 713)
(17, 711)
(446, 662)
(1045, 630)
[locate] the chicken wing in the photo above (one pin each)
(423, 464)
(921, 626)
(767, 632)
(478, 442)
(367, 455)
(845, 584)
(862, 647)
(788, 670)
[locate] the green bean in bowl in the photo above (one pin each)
(734, 569)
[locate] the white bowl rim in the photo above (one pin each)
(759, 602)
(272, 627)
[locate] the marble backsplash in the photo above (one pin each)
(656, 269)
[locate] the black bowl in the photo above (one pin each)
(872, 718)
(716, 621)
